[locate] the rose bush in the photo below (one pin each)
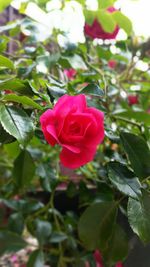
(96, 30)
(60, 91)
(77, 128)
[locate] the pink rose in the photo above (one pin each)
(98, 258)
(132, 99)
(119, 264)
(74, 126)
(96, 31)
(87, 264)
(112, 63)
(70, 73)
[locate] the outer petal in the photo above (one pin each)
(67, 103)
(95, 135)
(47, 118)
(75, 160)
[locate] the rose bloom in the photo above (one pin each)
(119, 264)
(112, 63)
(98, 260)
(132, 99)
(96, 30)
(77, 128)
(70, 73)
(8, 92)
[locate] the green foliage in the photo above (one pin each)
(4, 4)
(123, 22)
(16, 122)
(24, 169)
(43, 230)
(124, 179)
(139, 216)
(24, 100)
(6, 63)
(118, 246)
(106, 20)
(36, 259)
(10, 242)
(96, 225)
(138, 153)
(92, 89)
(106, 3)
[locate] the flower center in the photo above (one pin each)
(74, 128)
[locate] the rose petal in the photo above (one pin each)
(75, 160)
(67, 103)
(47, 117)
(52, 132)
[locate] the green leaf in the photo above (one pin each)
(75, 62)
(139, 216)
(5, 137)
(23, 206)
(24, 100)
(49, 60)
(123, 179)
(4, 4)
(103, 52)
(118, 246)
(58, 237)
(138, 153)
(82, 2)
(24, 169)
(92, 89)
(10, 242)
(46, 175)
(16, 122)
(106, 20)
(22, 87)
(138, 116)
(36, 259)
(6, 63)
(16, 223)
(123, 21)
(42, 231)
(89, 16)
(105, 3)
(96, 225)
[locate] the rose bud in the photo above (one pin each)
(96, 30)
(132, 99)
(112, 63)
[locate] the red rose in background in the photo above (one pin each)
(98, 258)
(74, 126)
(119, 264)
(96, 31)
(133, 99)
(7, 92)
(112, 63)
(70, 73)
